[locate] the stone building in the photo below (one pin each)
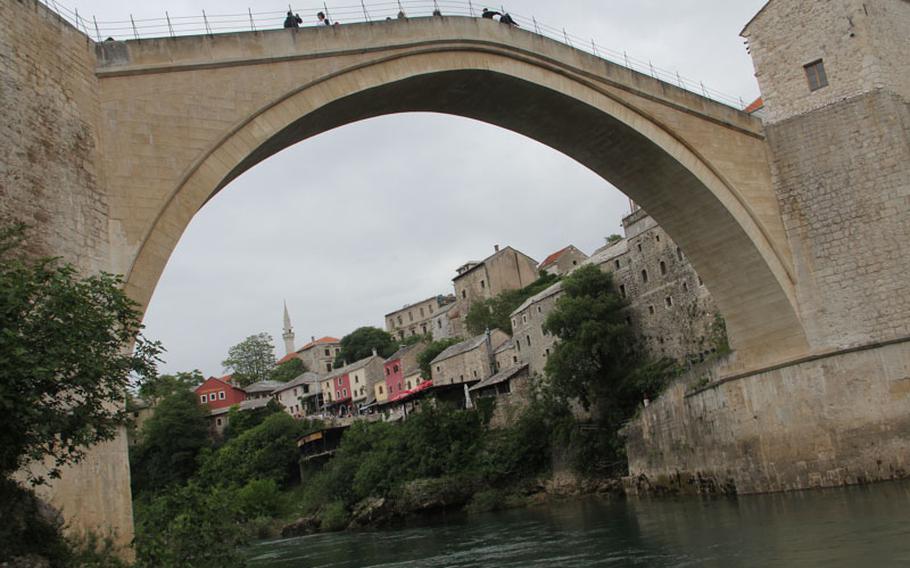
(301, 396)
(671, 310)
(562, 261)
(447, 322)
(319, 354)
(351, 387)
(532, 346)
(261, 389)
(398, 368)
(467, 362)
(417, 319)
(505, 269)
(510, 388)
(506, 355)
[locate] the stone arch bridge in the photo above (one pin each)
(109, 149)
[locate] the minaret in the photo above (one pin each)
(288, 334)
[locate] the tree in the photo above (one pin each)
(593, 355)
(288, 371)
(169, 443)
(68, 346)
(414, 339)
(361, 342)
(157, 387)
(425, 357)
(496, 312)
(614, 238)
(251, 360)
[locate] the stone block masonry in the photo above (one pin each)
(49, 179)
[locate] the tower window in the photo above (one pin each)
(651, 310)
(815, 73)
(663, 268)
(644, 276)
(622, 290)
(669, 301)
(616, 264)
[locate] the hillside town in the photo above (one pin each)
(670, 310)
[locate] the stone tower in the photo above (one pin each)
(288, 332)
(835, 79)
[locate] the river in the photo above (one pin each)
(857, 526)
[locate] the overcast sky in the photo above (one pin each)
(358, 221)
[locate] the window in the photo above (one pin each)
(678, 253)
(515, 358)
(423, 328)
(524, 318)
(546, 353)
(204, 398)
(483, 284)
(651, 310)
(639, 247)
(622, 290)
(461, 378)
(328, 367)
(574, 263)
(685, 286)
(539, 310)
(344, 392)
(616, 264)
(657, 237)
(514, 322)
(221, 395)
(421, 312)
(464, 293)
(815, 73)
(357, 380)
(218, 421)
(438, 369)
(518, 345)
(628, 320)
(439, 323)
(381, 391)
(328, 353)
(528, 339)
(475, 373)
(700, 283)
(399, 320)
(387, 371)
(431, 308)
(337, 351)
(663, 268)
(669, 301)
(337, 394)
(395, 369)
(644, 276)
(410, 316)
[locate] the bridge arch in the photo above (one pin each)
(701, 201)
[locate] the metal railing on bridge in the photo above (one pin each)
(366, 11)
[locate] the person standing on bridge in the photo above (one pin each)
(488, 14)
(507, 19)
(322, 19)
(293, 20)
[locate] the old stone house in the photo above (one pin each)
(319, 354)
(416, 319)
(399, 367)
(301, 396)
(261, 389)
(562, 261)
(532, 345)
(469, 361)
(351, 387)
(505, 269)
(446, 322)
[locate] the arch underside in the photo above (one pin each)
(723, 243)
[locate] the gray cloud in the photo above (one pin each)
(363, 219)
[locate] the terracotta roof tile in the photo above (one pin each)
(756, 104)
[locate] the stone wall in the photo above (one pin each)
(49, 179)
(834, 420)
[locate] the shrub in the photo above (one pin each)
(334, 517)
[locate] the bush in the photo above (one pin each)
(259, 498)
(334, 517)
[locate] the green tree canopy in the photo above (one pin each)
(593, 355)
(68, 346)
(288, 371)
(614, 238)
(157, 387)
(495, 313)
(360, 343)
(425, 357)
(251, 360)
(169, 443)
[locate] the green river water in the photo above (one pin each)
(866, 526)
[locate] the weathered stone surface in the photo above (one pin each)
(302, 526)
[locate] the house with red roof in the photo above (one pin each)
(319, 354)
(217, 393)
(562, 261)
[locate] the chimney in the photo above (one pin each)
(495, 248)
(313, 338)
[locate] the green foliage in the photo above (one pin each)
(334, 517)
(360, 343)
(495, 313)
(239, 422)
(259, 498)
(251, 360)
(288, 371)
(25, 529)
(614, 238)
(425, 357)
(190, 525)
(267, 451)
(155, 388)
(413, 339)
(68, 346)
(718, 336)
(593, 356)
(169, 443)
